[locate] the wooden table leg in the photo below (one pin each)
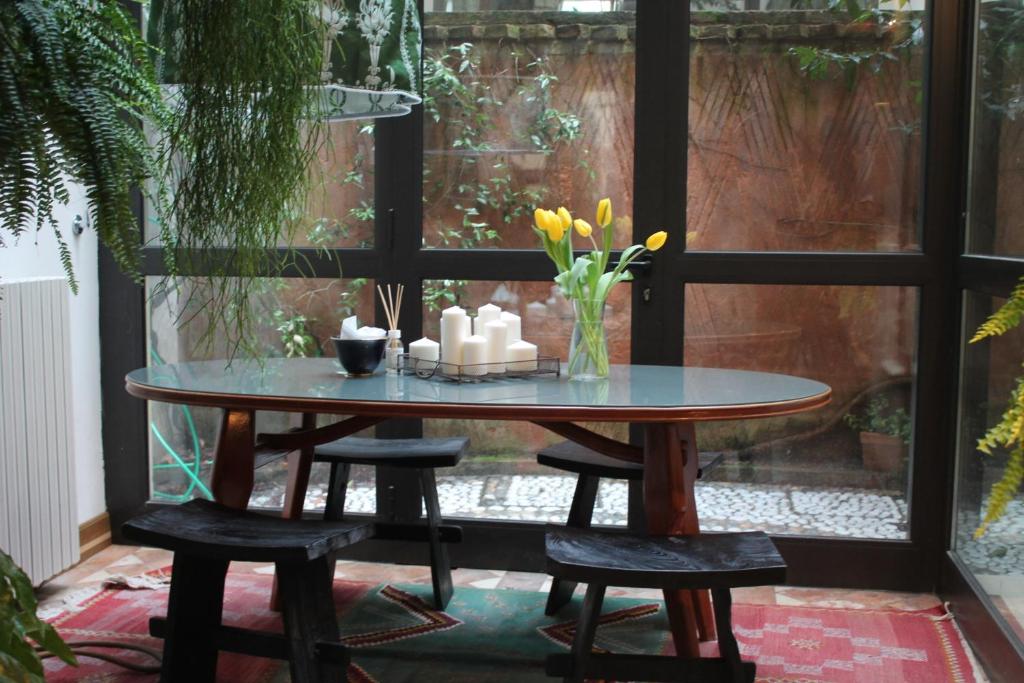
(234, 459)
(300, 464)
(701, 598)
(666, 505)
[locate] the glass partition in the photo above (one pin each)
(989, 526)
(988, 522)
(339, 212)
(841, 470)
(996, 202)
(527, 103)
(297, 317)
(805, 126)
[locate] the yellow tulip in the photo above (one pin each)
(538, 217)
(551, 220)
(656, 241)
(604, 212)
(554, 227)
(582, 227)
(565, 217)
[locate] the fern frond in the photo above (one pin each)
(1006, 318)
(76, 83)
(1004, 490)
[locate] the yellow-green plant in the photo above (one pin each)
(1008, 433)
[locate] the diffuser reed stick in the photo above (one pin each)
(392, 307)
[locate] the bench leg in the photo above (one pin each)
(309, 618)
(581, 511)
(440, 563)
(334, 511)
(728, 648)
(194, 607)
(586, 629)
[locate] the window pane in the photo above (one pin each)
(522, 109)
(996, 193)
(837, 471)
(500, 477)
(996, 557)
(296, 317)
(340, 208)
(805, 127)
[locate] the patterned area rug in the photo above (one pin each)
(503, 635)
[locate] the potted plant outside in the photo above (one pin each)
(884, 435)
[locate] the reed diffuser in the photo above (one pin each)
(392, 306)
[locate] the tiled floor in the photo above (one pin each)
(132, 561)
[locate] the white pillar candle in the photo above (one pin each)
(426, 350)
(453, 333)
(515, 326)
(521, 356)
(474, 355)
(485, 314)
(496, 333)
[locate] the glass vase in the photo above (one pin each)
(588, 349)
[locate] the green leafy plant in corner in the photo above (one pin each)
(22, 633)
(882, 418)
(1008, 433)
(76, 83)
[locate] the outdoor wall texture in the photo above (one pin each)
(778, 161)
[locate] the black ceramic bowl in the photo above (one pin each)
(359, 356)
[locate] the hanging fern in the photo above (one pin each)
(76, 83)
(238, 155)
(1008, 433)
(1005, 319)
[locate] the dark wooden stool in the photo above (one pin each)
(715, 561)
(205, 537)
(591, 467)
(423, 455)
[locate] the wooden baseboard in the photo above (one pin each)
(94, 535)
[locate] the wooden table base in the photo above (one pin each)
(670, 474)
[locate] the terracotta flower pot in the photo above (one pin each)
(882, 452)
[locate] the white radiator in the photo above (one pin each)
(38, 517)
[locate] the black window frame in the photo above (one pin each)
(939, 271)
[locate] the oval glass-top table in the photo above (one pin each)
(667, 400)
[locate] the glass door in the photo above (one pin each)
(987, 536)
(528, 103)
(797, 246)
(779, 144)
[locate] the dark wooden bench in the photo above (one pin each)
(205, 537)
(591, 467)
(423, 455)
(715, 561)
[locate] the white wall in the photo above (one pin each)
(35, 255)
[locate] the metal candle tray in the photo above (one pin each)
(453, 372)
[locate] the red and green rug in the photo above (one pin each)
(503, 635)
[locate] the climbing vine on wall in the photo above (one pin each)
(458, 97)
